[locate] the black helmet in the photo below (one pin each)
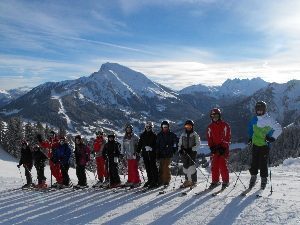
(78, 137)
(190, 122)
(164, 123)
(52, 132)
(111, 134)
(261, 106)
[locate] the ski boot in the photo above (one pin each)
(264, 181)
(225, 185)
(213, 185)
(252, 181)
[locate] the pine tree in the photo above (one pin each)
(2, 131)
(30, 134)
(14, 136)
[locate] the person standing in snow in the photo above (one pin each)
(262, 130)
(130, 145)
(218, 136)
(111, 153)
(166, 146)
(99, 143)
(62, 156)
(146, 147)
(82, 156)
(189, 142)
(51, 144)
(27, 161)
(39, 164)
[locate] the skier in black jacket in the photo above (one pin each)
(146, 145)
(166, 146)
(39, 164)
(26, 161)
(112, 153)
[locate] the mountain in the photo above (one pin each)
(230, 88)
(6, 96)
(113, 96)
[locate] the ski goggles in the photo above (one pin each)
(165, 126)
(188, 126)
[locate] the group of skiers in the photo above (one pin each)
(157, 150)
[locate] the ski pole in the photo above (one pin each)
(195, 165)
(270, 176)
(21, 176)
(176, 172)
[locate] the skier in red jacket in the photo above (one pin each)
(218, 137)
(100, 161)
(52, 144)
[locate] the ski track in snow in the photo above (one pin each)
(128, 207)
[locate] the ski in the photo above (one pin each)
(218, 192)
(246, 192)
(164, 190)
(184, 193)
(259, 194)
(203, 191)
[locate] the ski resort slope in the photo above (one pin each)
(132, 207)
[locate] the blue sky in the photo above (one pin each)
(174, 42)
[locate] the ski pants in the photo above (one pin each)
(113, 172)
(56, 172)
(133, 171)
(40, 166)
(101, 171)
(219, 167)
(65, 174)
(28, 176)
(150, 166)
(189, 167)
(80, 172)
(164, 171)
(260, 155)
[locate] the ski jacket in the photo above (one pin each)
(82, 154)
(99, 145)
(62, 154)
(261, 126)
(111, 150)
(189, 141)
(38, 154)
(147, 142)
(51, 145)
(219, 134)
(26, 156)
(130, 144)
(166, 144)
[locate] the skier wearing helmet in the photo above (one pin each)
(27, 161)
(189, 142)
(166, 146)
(146, 145)
(99, 143)
(112, 153)
(218, 136)
(130, 145)
(262, 130)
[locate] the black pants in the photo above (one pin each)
(40, 166)
(113, 171)
(64, 171)
(150, 166)
(260, 156)
(80, 172)
(28, 176)
(188, 160)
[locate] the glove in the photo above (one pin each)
(221, 150)
(181, 151)
(148, 148)
(249, 141)
(19, 165)
(269, 139)
(188, 151)
(213, 150)
(53, 160)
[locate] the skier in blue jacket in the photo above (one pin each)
(262, 130)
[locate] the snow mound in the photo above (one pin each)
(292, 162)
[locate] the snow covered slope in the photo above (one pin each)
(107, 207)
